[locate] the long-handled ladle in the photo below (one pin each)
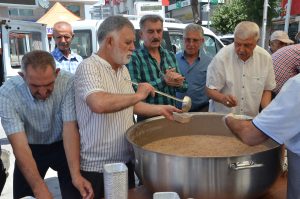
(186, 101)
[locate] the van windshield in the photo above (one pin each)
(21, 43)
(210, 47)
(82, 42)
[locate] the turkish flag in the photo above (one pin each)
(295, 8)
(165, 2)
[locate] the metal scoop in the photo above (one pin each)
(186, 101)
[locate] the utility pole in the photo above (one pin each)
(287, 16)
(196, 16)
(264, 24)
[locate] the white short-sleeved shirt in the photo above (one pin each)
(280, 119)
(244, 80)
(102, 136)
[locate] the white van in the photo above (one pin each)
(85, 39)
(16, 39)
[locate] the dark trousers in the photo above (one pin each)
(97, 181)
(3, 175)
(46, 156)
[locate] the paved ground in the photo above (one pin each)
(7, 193)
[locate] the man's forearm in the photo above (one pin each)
(27, 164)
(71, 140)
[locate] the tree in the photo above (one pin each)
(226, 16)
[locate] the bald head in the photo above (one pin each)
(63, 35)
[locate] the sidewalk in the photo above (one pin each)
(7, 193)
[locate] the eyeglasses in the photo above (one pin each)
(66, 37)
(189, 40)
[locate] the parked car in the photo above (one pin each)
(85, 39)
(227, 39)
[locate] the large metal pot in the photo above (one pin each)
(239, 177)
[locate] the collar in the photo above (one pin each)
(59, 56)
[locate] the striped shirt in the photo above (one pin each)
(144, 68)
(286, 63)
(41, 120)
(66, 63)
(102, 136)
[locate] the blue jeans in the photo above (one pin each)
(46, 156)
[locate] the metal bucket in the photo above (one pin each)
(245, 176)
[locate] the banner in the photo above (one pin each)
(165, 2)
(295, 8)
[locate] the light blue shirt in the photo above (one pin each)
(41, 120)
(280, 119)
(66, 63)
(195, 76)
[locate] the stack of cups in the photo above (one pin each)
(165, 195)
(115, 181)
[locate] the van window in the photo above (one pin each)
(82, 43)
(22, 43)
(210, 47)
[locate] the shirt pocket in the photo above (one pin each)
(256, 84)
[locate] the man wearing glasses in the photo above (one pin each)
(64, 57)
(193, 65)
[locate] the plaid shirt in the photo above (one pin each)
(144, 68)
(286, 62)
(66, 63)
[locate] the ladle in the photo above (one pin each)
(186, 101)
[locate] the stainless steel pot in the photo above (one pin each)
(239, 177)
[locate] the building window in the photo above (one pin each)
(20, 12)
(75, 9)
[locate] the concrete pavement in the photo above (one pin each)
(7, 193)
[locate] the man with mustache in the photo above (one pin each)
(37, 110)
(240, 77)
(154, 64)
(64, 57)
(105, 103)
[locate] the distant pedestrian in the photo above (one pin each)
(65, 58)
(278, 40)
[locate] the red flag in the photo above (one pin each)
(165, 2)
(295, 9)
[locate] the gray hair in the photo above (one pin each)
(37, 59)
(62, 24)
(152, 18)
(112, 24)
(247, 29)
(193, 28)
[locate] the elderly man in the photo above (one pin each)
(64, 57)
(278, 40)
(240, 77)
(105, 103)
(193, 65)
(37, 110)
(154, 64)
(279, 121)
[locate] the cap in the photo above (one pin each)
(281, 36)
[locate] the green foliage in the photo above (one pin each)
(226, 16)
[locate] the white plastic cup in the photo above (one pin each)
(115, 181)
(165, 195)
